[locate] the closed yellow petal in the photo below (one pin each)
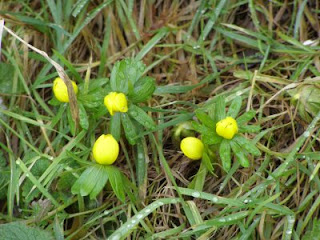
(121, 104)
(105, 149)
(109, 102)
(192, 147)
(227, 128)
(116, 102)
(60, 89)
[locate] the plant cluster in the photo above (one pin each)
(222, 131)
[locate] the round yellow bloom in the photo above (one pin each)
(227, 128)
(116, 102)
(60, 89)
(105, 149)
(192, 147)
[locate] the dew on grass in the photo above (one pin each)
(195, 194)
(116, 237)
(214, 199)
(306, 134)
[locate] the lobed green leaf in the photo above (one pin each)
(241, 156)
(225, 154)
(141, 117)
(235, 107)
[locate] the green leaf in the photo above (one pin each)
(314, 233)
(199, 127)
(7, 79)
(177, 119)
(147, 47)
(129, 128)
(101, 182)
(79, 5)
(40, 166)
(84, 122)
(235, 107)
(249, 129)
(241, 156)
(125, 71)
(99, 85)
(141, 164)
(19, 231)
(220, 108)
(77, 186)
(91, 181)
(72, 125)
(141, 117)
(115, 126)
(65, 181)
(58, 228)
(205, 119)
(211, 138)
(143, 89)
(54, 101)
(174, 89)
(200, 178)
(207, 162)
(115, 178)
(247, 145)
(225, 154)
(246, 117)
(125, 229)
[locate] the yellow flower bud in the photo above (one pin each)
(60, 89)
(105, 149)
(116, 102)
(227, 128)
(192, 147)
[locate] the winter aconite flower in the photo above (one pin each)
(192, 147)
(60, 89)
(105, 149)
(227, 128)
(116, 102)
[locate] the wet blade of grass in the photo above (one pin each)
(213, 16)
(169, 175)
(46, 177)
(161, 34)
(36, 183)
(296, 148)
(127, 227)
(210, 197)
(298, 21)
(167, 233)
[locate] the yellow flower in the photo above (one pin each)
(105, 149)
(60, 89)
(116, 102)
(227, 128)
(192, 147)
